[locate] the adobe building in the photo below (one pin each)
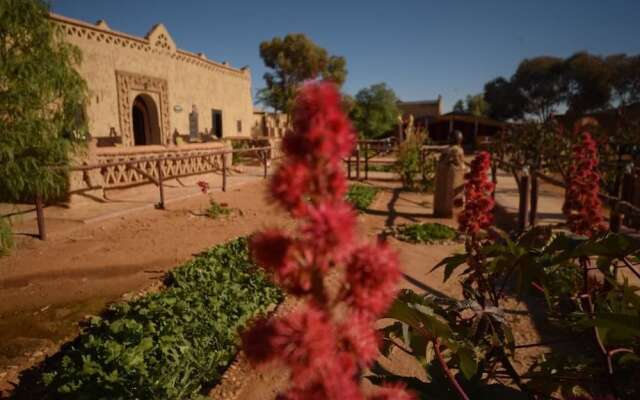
(144, 91)
(423, 111)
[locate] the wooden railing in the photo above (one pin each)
(366, 150)
(157, 169)
(527, 183)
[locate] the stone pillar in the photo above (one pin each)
(449, 186)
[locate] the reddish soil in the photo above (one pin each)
(46, 288)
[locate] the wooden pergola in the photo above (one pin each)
(472, 127)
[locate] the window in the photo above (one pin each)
(239, 126)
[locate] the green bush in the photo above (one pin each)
(6, 237)
(166, 345)
(425, 233)
(415, 171)
(361, 196)
(216, 210)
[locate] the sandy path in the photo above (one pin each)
(47, 287)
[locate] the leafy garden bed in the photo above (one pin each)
(361, 196)
(169, 344)
(425, 233)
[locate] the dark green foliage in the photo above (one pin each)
(375, 112)
(361, 196)
(504, 100)
(167, 345)
(216, 210)
(6, 237)
(583, 83)
(540, 82)
(416, 172)
(588, 83)
(293, 60)
(425, 233)
(41, 103)
(475, 105)
(476, 331)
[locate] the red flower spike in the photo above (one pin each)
(361, 338)
(477, 213)
(372, 274)
(582, 206)
(323, 352)
(270, 249)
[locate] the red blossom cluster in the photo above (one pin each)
(331, 338)
(479, 203)
(204, 186)
(582, 205)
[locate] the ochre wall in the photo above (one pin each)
(190, 80)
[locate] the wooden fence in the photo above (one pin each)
(159, 168)
(528, 187)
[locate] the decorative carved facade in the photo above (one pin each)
(128, 84)
(119, 67)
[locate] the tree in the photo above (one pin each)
(376, 110)
(504, 100)
(473, 104)
(587, 83)
(477, 106)
(624, 78)
(41, 103)
(293, 60)
(540, 82)
(459, 107)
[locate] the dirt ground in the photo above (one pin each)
(46, 288)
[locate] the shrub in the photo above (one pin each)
(6, 237)
(216, 210)
(416, 172)
(425, 233)
(166, 345)
(361, 196)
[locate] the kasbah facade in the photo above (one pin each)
(148, 98)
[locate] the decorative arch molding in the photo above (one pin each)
(129, 85)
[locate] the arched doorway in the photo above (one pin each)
(146, 127)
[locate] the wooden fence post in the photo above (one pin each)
(366, 161)
(524, 200)
(264, 163)
(349, 167)
(224, 172)
(160, 184)
(42, 231)
(533, 214)
(358, 162)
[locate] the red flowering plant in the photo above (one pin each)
(331, 338)
(582, 206)
(476, 332)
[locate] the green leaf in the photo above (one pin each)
(451, 263)
(468, 364)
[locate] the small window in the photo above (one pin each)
(239, 126)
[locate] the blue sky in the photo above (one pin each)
(420, 48)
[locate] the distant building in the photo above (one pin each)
(423, 111)
(473, 128)
(269, 124)
(146, 91)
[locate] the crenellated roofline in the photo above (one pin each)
(158, 40)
